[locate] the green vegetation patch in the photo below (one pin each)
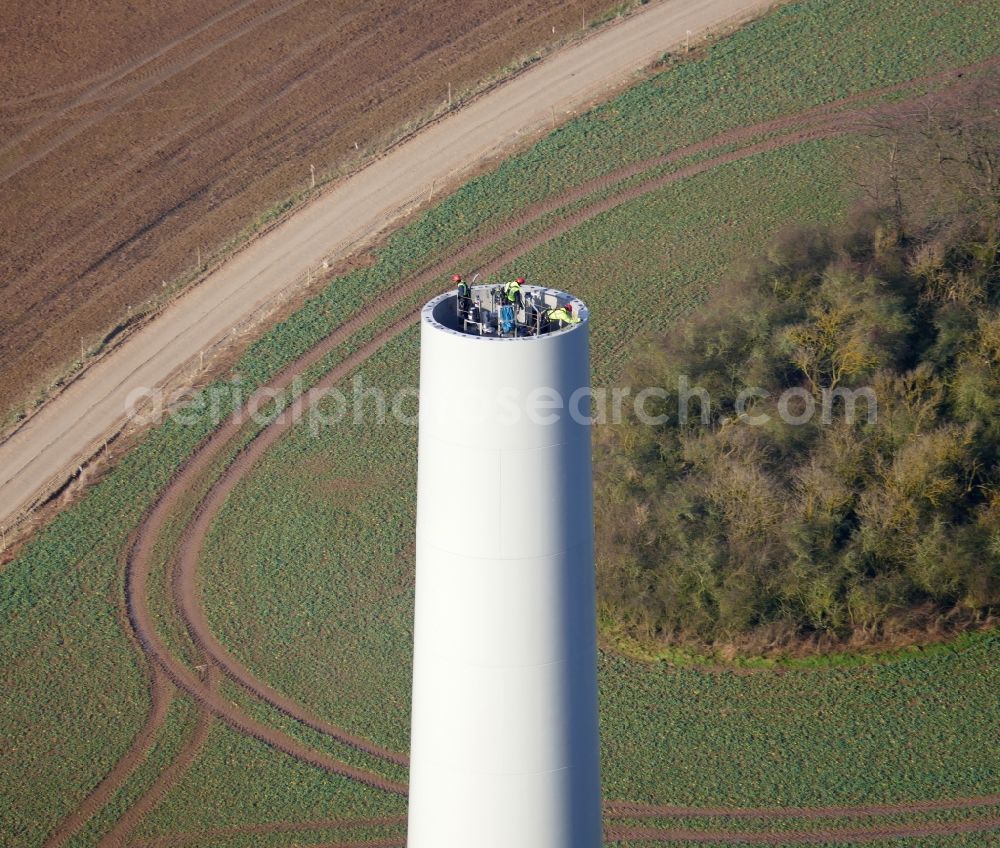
(924, 727)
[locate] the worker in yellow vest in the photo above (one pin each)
(512, 292)
(563, 314)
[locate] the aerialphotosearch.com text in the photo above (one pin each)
(371, 405)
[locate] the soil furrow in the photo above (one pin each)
(144, 84)
(102, 80)
(209, 134)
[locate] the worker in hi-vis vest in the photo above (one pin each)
(563, 314)
(512, 292)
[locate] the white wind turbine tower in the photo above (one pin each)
(504, 748)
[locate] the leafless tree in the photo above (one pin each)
(943, 151)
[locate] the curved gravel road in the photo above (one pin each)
(65, 433)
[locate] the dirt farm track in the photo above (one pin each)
(133, 136)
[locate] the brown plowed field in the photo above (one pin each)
(133, 136)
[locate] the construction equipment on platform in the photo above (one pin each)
(510, 310)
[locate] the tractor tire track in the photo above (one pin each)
(800, 837)
(188, 601)
(627, 810)
(161, 695)
(118, 836)
(574, 220)
(138, 569)
(824, 112)
(176, 840)
(827, 126)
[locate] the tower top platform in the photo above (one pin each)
(480, 316)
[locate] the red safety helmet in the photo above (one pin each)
(520, 281)
(457, 278)
(569, 307)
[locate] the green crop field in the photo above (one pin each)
(307, 575)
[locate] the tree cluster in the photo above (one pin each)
(760, 524)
